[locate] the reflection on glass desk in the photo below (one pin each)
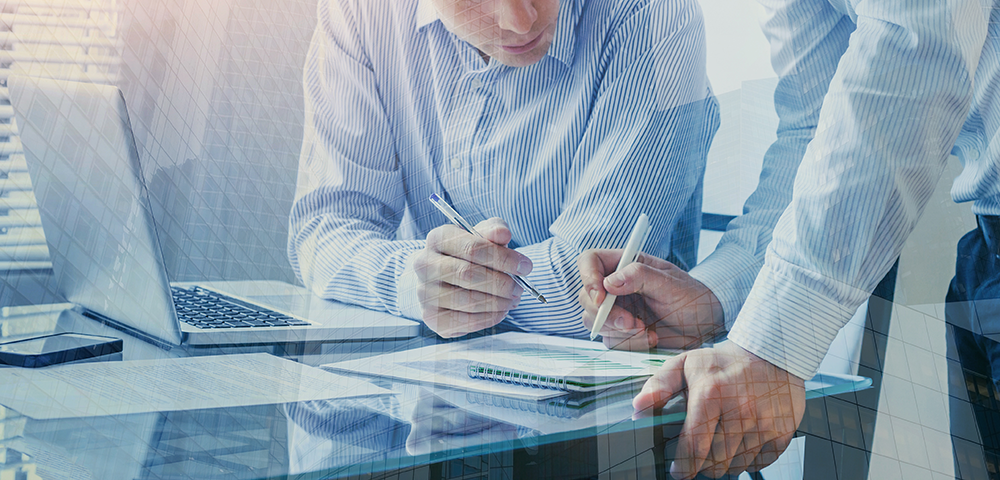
(420, 431)
(326, 439)
(417, 428)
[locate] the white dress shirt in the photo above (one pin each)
(614, 121)
(871, 99)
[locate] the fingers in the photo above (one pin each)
(775, 431)
(452, 241)
(730, 440)
(684, 311)
(745, 453)
(655, 262)
(621, 330)
(642, 279)
(449, 297)
(495, 230)
(770, 452)
(619, 318)
(704, 409)
(433, 267)
(742, 411)
(663, 295)
(593, 269)
(464, 282)
(597, 264)
(664, 384)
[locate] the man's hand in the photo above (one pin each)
(437, 425)
(658, 304)
(741, 410)
(464, 286)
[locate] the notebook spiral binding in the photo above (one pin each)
(514, 377)
(554, 408)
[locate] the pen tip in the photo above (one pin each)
(542, 299)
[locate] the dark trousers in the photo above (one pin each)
(973, 307)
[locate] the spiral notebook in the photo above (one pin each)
(583, 367)
(513, 364)
(569, 406)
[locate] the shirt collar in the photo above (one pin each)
(563, 46)
(426, 14)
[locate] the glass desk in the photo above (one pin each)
(424, 430)
(421, 431)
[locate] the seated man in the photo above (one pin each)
(552, 123)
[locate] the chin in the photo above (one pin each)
(523, 60)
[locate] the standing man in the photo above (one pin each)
(872, 98)
(553, 123)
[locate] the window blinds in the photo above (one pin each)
(63, 39)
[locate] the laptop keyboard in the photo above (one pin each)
(207, 309)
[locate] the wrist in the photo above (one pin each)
(717, 312)
(753, 360)
(406, 290)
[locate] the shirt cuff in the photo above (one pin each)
(406, 290)
(729, 273)
(790, 325)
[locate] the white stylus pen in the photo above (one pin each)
(461, 222)
(636, 240)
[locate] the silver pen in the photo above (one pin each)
(457, 219)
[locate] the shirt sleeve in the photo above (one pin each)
(349, 197)
(643, 151)
(894, 108)
(805, 59)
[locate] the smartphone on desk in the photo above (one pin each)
(57, 348)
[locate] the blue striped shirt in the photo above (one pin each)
(871, 99)
(615, 120)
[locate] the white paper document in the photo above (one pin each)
(141, 386)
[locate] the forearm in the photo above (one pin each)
(555, 275)
(349, 195)
(347, 256)
(807, 44)
(891, 116)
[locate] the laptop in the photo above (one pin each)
(102, 240)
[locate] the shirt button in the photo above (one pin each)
(477, 83)
(456, 163)
(973, 155)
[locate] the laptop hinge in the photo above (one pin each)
(129, 330)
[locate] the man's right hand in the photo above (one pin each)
(659, 305)
(464, 282)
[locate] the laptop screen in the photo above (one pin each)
(92, 201)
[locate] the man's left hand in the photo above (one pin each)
(741, 410)
(658, 305)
